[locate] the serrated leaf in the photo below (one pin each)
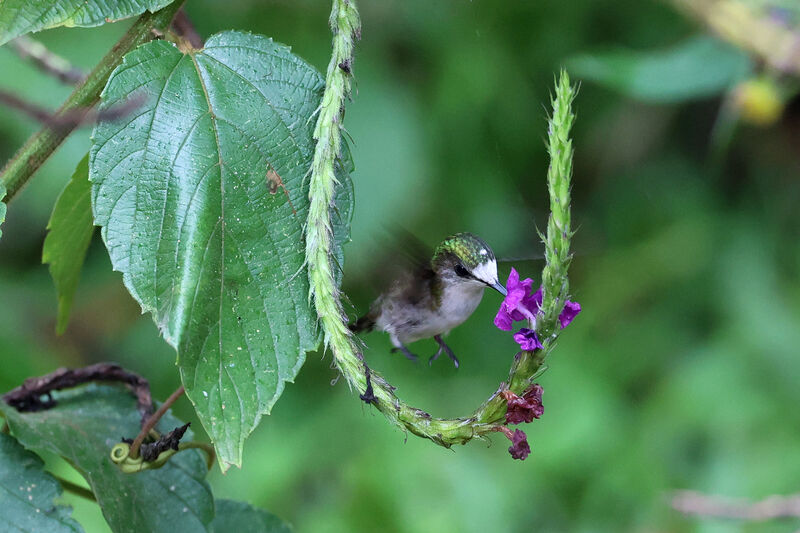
(70, 232)
(699, 67)
(232, 516)
(18, 17)
(27, 493)
(84, 426)
(202, 198)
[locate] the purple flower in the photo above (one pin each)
(526, 407)
(527, 340)
(571, 310)
(519, 305)
(517, 291)
(519, 445)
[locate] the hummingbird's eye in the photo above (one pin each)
(461, 271)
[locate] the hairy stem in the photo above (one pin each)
(321, 263)
(44, 142)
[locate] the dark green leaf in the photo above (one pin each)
(238, 517)
(84, 426)
(18, 17)
(66, 243)
(27, 493)
(696, 68)
(202, 197)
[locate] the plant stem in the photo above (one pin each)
(75, 489)
(211, 452)
(44, 142)
(152, 421)
(345, 25)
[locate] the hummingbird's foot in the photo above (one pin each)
(405, 351)
(446, 348)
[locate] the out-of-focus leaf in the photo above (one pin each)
(202, 198)
(27, 493)
(232, 517)
(18, 17)
(699, 67)
(70, 232)
(84, 426)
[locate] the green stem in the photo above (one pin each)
(43, 143)
(321, 264)
(75, 489)
(210, 451)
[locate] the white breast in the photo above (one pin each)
(458, 303)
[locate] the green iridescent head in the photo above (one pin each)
(466, 258)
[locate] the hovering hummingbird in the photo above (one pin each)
(435, 296)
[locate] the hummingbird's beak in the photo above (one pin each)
(499, 288)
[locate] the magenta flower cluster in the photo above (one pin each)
(520, 304)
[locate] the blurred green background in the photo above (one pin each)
(682, 370)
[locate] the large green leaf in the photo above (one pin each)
(68, 239)
(27, 493)
(232, 517)
(202, 196)
(84, 426)
(18, 17)
(699, 67)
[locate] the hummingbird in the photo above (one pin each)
(435, 296)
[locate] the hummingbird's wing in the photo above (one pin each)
(403, 273)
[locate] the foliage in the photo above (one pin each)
(680, 370)
(82, 427)
(699, 67)
(27, 492)
(239, 516)
(18, 17)
(202, 210)
(69, 234)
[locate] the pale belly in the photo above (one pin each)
(408, 324)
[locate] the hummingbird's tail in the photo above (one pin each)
(365, 323)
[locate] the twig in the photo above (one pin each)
(74, 117)
(50, 63)
(696, 503)
(28, 396)
(153, 420)
(184, 28)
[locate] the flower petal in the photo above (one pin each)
(519, 445)
(503, 320)
(527, 340)
(571, 310)
(526, 407)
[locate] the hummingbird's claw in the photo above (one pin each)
(446, 348)
(435, 356)
(405, 351)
